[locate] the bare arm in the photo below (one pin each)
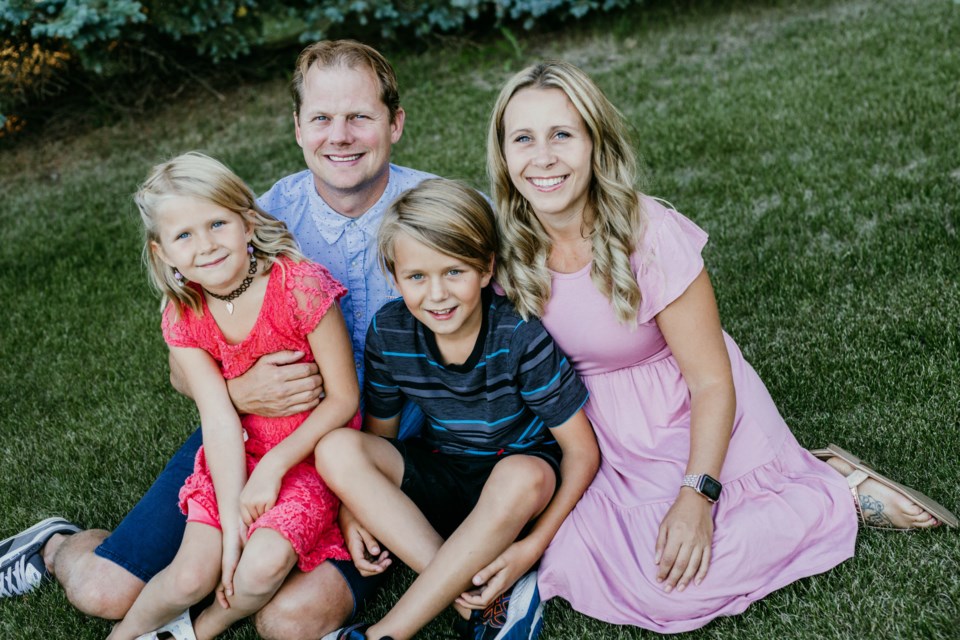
(691, 326)
(223, 448)
(277, 385)
(581, 459)
(330, 344)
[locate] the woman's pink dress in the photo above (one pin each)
(783, 515)
(297, 297)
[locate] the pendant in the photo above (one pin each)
(230, 308)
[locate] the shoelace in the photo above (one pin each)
(19, 578)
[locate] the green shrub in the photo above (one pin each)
(47, 46)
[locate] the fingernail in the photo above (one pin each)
(681, 587)
(659, 579)
(667, 589)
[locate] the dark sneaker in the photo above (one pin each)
(512, 616)
(21, 564)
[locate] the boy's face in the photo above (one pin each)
(441, 291)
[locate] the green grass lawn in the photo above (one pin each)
(817, 142)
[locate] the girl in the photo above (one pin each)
(235, 288)
(618, 281)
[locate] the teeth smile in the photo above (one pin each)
(547, 182)
(441, 312)
(344, 158)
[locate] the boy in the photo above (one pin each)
(475, 500)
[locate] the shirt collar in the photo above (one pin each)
(332, 225)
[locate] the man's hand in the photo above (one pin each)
(277, 385)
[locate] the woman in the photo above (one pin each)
(699, 470)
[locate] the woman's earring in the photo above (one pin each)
(178, 277)
(253, 258)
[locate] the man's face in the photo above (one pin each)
(346, 133)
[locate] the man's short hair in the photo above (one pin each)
(352, 55)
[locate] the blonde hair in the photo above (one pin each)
(446, 215)
(614, 216)
(351, 55)
(195, 175)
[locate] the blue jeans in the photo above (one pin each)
(148, 538)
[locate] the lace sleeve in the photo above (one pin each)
(179, 330)
(313, 289)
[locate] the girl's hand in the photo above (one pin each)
(260, 493)
(500, 575)
(368, 556)
(684, 541)
(232, 547)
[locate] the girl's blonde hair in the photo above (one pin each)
(614, 218)
(443, 214)
(195, 175)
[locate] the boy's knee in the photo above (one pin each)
(336, 452)
(521, 485)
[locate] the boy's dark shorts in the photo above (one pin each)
(447, 487)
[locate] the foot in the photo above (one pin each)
(516, 614)
(21, 558)
(884, 507)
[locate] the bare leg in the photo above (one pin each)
(307, 607)
(882, 506)
(193, 574)
(94, 585)
(266, 560)
(366, 472)
(519, 488)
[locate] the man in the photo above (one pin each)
(347, 116)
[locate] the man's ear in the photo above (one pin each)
(296, 128)
(396, 126)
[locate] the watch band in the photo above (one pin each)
(706, 485)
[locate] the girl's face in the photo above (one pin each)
(548, 153)
(204, 241)
(441, 291)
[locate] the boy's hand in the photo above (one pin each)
(259, 494)
(500, 575)
(368, 557)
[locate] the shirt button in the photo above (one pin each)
(358, 315)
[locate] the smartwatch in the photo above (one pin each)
(707, 486)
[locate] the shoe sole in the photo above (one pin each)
(35, 534)
(525, 592)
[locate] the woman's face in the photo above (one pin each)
(548, 153)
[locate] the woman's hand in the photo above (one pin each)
(259, 493)
(368, 556)
(684, 541)
(501, 574)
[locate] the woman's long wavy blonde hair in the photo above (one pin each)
(614, 218)
(195, 175)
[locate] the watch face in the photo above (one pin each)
(710, 488)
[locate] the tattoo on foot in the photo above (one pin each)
(872, 511)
